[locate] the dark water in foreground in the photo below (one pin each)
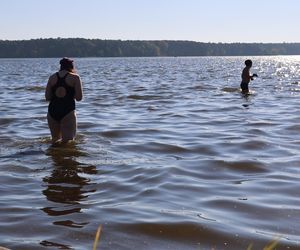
(169, 155)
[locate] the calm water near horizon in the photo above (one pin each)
(169, 155)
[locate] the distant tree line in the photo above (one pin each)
(80, 47)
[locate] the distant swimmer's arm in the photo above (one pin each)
(252, 77)
(78, 89)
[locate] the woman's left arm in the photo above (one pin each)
(78, 89)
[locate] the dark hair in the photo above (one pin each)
(248, 63)
(66, 64)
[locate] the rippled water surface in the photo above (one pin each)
(169, 155)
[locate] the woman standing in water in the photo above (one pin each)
(63, 88)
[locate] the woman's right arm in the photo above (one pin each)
(48, 92)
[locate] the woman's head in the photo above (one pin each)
(67, 64)
(248, 63)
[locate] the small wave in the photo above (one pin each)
(69, 223)
(201, 87)
(47, 243)
(156, 147)
(23, 153)
(230, 90)
(144, 97)
(117, 133)
(6, 121)
(243, 166)
(186, 235)
(36, 88)
(17, 169)
(255, 145)
(188, 230)
(128, 132)
(293, 128)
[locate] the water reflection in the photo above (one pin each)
(68, 186)
(46, 243)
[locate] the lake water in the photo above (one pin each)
(169, 155)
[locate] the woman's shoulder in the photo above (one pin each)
(73, 76)
(53, 76)
(73, 79)
(52, 79)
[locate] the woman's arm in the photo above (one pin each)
(78, 89)
(48, 92)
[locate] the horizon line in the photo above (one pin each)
(172, 40)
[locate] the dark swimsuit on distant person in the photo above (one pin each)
(59, 107)
(244, 87)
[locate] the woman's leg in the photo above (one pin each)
(54, 127)
(68, 127)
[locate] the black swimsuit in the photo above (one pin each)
(59, 107)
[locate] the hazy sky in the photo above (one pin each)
(197, 20)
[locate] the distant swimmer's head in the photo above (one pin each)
(67, 64)
(248, 63)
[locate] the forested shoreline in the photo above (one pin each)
(80, 47)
